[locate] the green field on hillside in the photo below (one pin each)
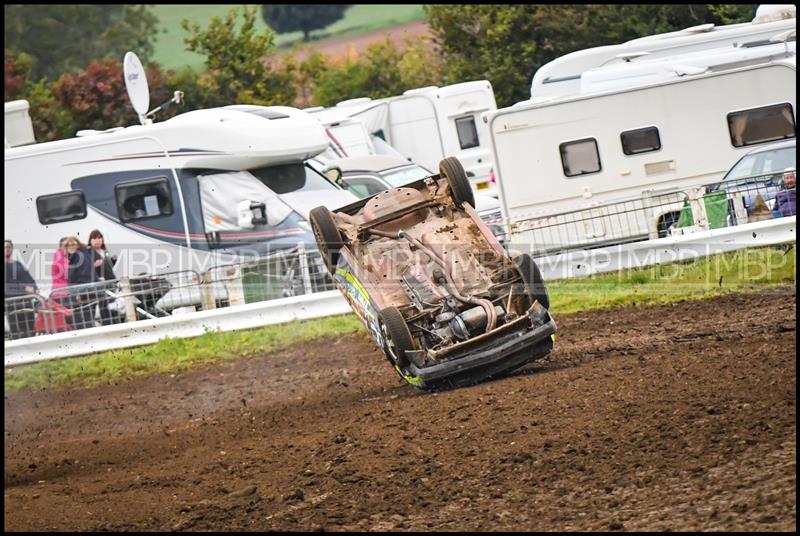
(171, 53)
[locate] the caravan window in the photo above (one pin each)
(760, 125)
(467, 133)
(640, 140)
(580, 157)
(140, 199)
(57, 208)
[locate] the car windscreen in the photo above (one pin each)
(287, 178)
(404, 175)
(222, 192)
(763, 163)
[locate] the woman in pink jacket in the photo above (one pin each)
(60, 270)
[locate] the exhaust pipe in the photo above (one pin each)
(472, 320)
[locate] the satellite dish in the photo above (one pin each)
(136, 85)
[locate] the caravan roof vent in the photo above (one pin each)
(701, 28)
(92, 132)
(267, 112)
(313, 109)
(773, 12)
(350, 102)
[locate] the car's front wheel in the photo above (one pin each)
(329, 240)
(396, 335)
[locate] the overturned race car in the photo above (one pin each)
(432, 284)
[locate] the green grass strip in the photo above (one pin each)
(170, 354)
(748, 270)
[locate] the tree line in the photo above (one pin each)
(66, 60)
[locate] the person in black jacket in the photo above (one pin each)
(103, 263)
(81, 272)
(19, 282)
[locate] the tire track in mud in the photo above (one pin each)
(670, 417)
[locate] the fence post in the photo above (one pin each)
(47, 316)
(739, 212)
(698, 207)
(234, 284)
(650, 214)
(127, 294)
(301, 255)
(207, 292)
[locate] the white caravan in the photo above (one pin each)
(562, 76)
(429, 124)
(206, 187)
(18, 128)
(348, 136)
(677, 124)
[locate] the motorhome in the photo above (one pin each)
(428, 124)
(562, 76)
(636, 132)
(206, 187)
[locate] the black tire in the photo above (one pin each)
(532, 277)
(452, 170)
(397, 335)
(329, 240)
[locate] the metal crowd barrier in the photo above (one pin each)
(291, 273)
(20, 316)
(154, 296)
(655, 215)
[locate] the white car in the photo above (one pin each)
(767, 172)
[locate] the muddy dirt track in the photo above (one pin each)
(677, 417)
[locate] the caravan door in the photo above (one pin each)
(464, 134)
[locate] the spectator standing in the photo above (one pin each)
(103, 263)
(786, 199)
(60, 270)
(81, 272)
(19, 282)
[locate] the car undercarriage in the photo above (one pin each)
(436, 290)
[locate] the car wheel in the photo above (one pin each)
(329, 240)
(461, 191)
(532, 277)
(397, 336)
